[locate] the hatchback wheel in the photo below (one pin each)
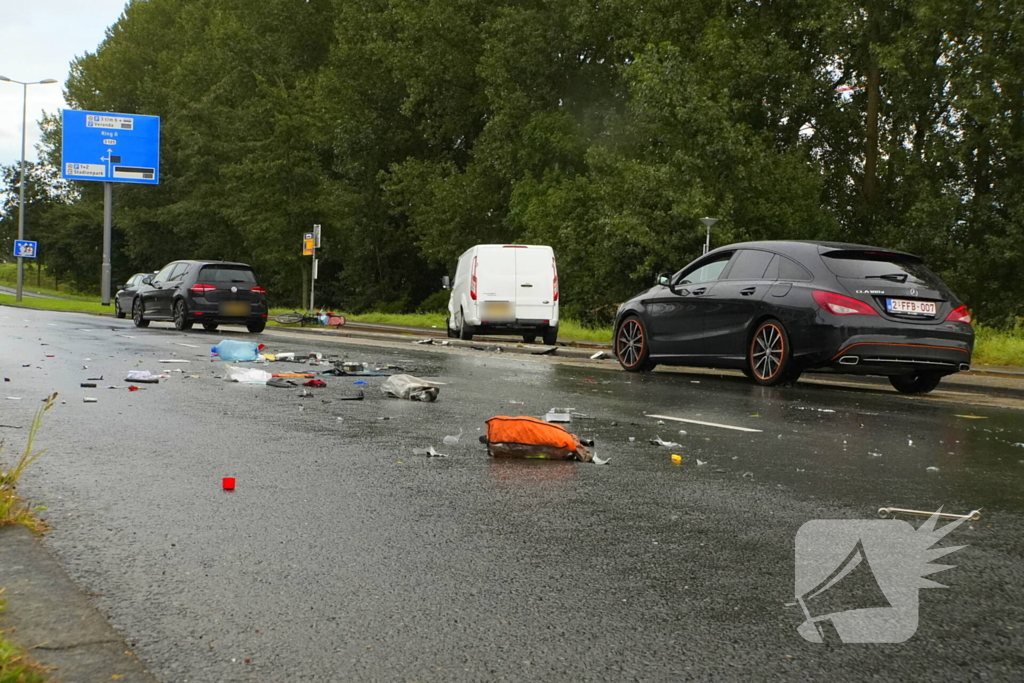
(917, 383)
(631, 346)
(529, 338)
(137, 316)
(210, 327)
(256, 326)
(770, 356)
(117, 308)
(181, 321)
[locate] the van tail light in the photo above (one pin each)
(472, 282)
(838, 304)
(960, 315)
(554, 282)
(259, 290)
(201, 289)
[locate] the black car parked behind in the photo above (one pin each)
(125, 295)
(208, 292)
(775, 309)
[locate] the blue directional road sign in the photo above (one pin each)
(113, 148)
(25, 248)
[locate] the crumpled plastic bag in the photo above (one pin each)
(248, 375)
(410, 388)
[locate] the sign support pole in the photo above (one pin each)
(108, 210)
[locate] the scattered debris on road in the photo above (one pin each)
(410, 388)
(233, 350)
(562, 415)
(530, 437)
(973, 515)
(228, 483)
(657, 441)
(429, 452)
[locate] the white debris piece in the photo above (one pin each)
(657, 441)
(452, 440)
(429, 452)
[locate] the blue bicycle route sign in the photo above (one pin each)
(25, 248)
(117, 148)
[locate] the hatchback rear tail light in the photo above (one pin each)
(201, 289)
(259, 290)
(554, 283)
(472, 282)
(960, 315)
(838, 304)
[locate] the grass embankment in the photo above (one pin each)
(15, 666)
(46, 283)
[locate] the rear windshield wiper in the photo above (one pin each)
(895, 277)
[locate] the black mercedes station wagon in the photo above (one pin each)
(210, 293)
(776, 309)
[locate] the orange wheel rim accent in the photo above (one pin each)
(767, 352)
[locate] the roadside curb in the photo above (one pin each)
(52, 618)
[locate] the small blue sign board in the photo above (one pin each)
(112, 148)
(25, 248)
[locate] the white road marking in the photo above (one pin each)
(706, 424)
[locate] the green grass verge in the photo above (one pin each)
(57, 304)
(998, 347)
(47, 285)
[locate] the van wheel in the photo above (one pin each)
(465, 331)
(529, 338)
(448, 328)
(551, 336)
(917, 383)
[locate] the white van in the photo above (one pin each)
(505, 289)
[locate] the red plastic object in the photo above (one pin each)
(229, 483)
(315, 383)
(133, 388)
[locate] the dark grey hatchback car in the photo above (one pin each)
(207, 292)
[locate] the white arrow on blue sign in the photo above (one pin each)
(25, 248)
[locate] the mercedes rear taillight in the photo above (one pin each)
(960, 315)
(201, 289)
(554, 282)
(472, 282)
(838, 304)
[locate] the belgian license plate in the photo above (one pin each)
(911, 307)
(497, 310)
(234, 309)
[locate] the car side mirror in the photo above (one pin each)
(665, 280)
(446, 282)
(148, 280)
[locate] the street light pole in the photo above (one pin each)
(21, 184)
(708, 222)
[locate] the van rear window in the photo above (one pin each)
(881, 266)
(236, 274)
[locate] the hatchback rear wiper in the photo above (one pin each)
(895, 277)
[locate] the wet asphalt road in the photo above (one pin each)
(343, 556)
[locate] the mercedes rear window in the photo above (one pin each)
(230, 274)
(881, 266)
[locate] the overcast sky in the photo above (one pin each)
(38, 40)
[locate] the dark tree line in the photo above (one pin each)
(413, 129)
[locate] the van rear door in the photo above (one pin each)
(535, 277)
(496, 283)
